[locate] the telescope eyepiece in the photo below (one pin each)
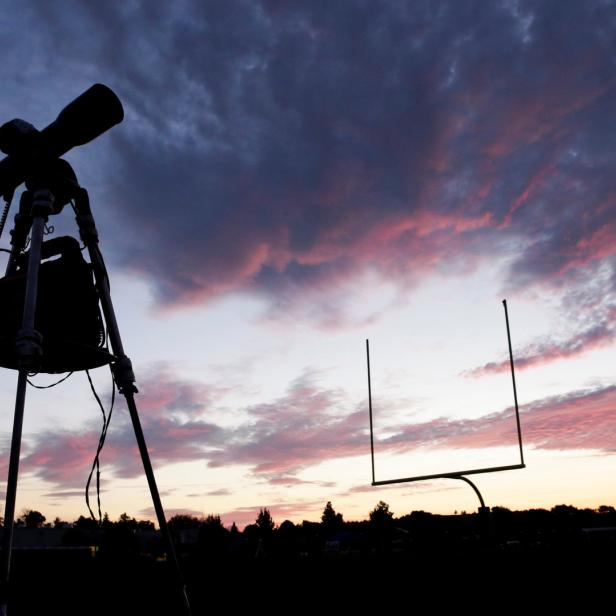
(18, 137)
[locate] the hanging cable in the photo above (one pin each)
(101, 443)
(46, 386)
(82, 246)
(5, 213)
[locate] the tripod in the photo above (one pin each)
(47, 193)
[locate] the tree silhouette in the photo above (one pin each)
(213, 521)
(32, 519)
(213, 536)
(381, 515)
(126, 521)
(85, 523)
(265, 522)
(182, 522)
(330, 520)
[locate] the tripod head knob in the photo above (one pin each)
(58, 177)
(18, 137)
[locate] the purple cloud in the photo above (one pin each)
(548, 351)
(306, 426)
(577, 420)
(243, 516)
(65, 457)
(284, 150)
(300, 429)
(588, 314)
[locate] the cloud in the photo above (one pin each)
(299, 430)
(174, 425)
(285, 150)
(548, 351)
(62, 494)
(306, 426)
(577, 420)
(587, 312)
(149, 513)
(302, 428)
(243, 516)
(291, 481)
(220, 492)
(409, 489)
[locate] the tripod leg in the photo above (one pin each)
(158, 506)
(28, 345)
(125, 378)
(11, 489)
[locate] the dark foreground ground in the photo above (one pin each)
(487, 579)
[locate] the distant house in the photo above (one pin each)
(37, 538)
(600, 535)
(47, 540)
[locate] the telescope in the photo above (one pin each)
(28, 149)
(57, 313)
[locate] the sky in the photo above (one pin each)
(293, 178)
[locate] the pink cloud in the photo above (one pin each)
(306, 426)
(307, 433)
(242, 516)
(291, 481)
(546, 352)
(301, 429)
(401, 156)
(599, 244)
(578, 420)
(148, 513)
(409, 488)
(536, 181)
(65, 457)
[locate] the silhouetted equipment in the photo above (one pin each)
(29, 150)
(68, 314)
(51, 296)
(461, 475)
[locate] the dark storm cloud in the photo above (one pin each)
(285, 147)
